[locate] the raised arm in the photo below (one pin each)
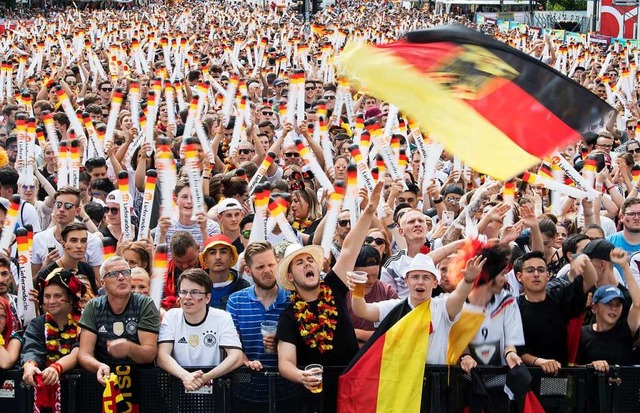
(355, 239)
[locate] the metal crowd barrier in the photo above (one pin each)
(444, 390)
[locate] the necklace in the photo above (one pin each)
(317, 331)
(59, 341)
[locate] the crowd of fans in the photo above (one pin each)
(538, 264)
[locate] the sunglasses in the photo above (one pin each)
(293, 176)
(107, 89)
(245, 151)
(246, 233)
(309, 88)
(267, 113)
(67, 205)
(344, 222)
(113, 211)
(378, 241)
(292, 154)
(28, 187)
(296, 185)
(631, 127)
(329, 97)
(636, 150)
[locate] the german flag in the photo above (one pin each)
(386, 375)
(499, 110)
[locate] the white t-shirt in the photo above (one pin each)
(44, 239)
(392, 272)
(28, 215)
(440, 325)
(201, 344)
(502, 327)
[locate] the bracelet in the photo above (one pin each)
(438, 201)
(509, 352)
(57, 367)
(534, 361)
(609, 188)
(205, 177)
(86, 220)
(463, 356)
(29, 362)
(392, 226)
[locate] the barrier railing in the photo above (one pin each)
(444, 390)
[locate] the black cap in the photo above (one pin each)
(368, 257)
(599, 249)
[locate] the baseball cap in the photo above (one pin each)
(368, 257)
(5, 204)
(278, 82)
(599, 249)
(220, 239)
(422, 262)
(606, 293)
(114, 196)
(228, 204)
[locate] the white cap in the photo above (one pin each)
(422, 262)
(228, 204)
(114, 196)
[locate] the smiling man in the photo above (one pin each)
(119, 329)
(219, 256)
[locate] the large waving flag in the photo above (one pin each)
(496, 108)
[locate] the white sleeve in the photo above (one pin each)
(213, 227)
(30, 216)
(94, 255)
(385, 307)
(513, 334)
(167, 330)
(387, 277)
(39, 250)
(228, 333)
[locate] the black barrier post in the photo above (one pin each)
(603, 393)
(435, 394)
(581, 393)
(225, 386)
(176, 387)
(73, 383)
(271, 376)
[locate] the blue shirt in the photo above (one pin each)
(247, 314)
(618, 241)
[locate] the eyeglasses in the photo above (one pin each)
(116, 273)
(632, 214)
(106, 89)
(67, 205)
(452, 199)
(194, 294)
(28, 187)
(344, 222)
(292, 154)
(328, 97)
(600, 146)
(636, 150)
(113, 211)
(12, 148)
(245, 151)
(246, 233)
(531, 270)
(378, 241)
(267, 113)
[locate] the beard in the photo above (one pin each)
(263, 285)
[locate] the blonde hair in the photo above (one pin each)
(140, 273)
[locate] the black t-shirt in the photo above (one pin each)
(83, 268)
(615, 346)
(345, 344)
(238, 244)
(545, 323)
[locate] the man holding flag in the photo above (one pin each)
(320, 306)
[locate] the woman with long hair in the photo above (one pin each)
(305, 212)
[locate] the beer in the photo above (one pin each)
(316, 370)
(359, 279)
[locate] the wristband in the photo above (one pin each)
(509, 352)
(438, 201)
(392, 226)
(609, 188)
(29, 362)
(534, 361)
(57, 367)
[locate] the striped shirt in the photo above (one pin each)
(247, 313)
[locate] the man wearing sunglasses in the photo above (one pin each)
(119, 329)
(47, 245)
